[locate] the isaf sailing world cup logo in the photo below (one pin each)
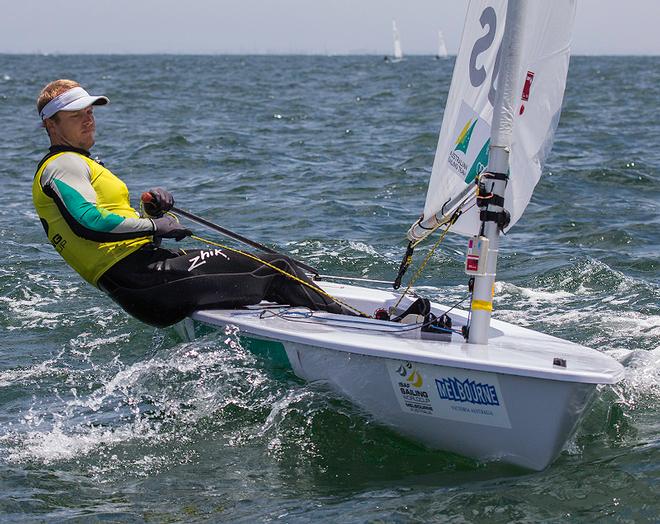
(411, 386)
(412, 376)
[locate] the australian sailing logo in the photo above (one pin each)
(463, 141)
(469, 156)
(451, 388)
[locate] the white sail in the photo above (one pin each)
(464, 141)
(397, 42)
(442, 47)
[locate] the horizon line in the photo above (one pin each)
(320, 54)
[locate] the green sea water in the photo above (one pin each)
(103, 418)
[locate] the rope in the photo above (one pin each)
(449, 222)
(304, 316)
(425, 261)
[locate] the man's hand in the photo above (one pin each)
(168, 227)
(157, 201)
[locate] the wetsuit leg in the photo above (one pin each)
(284, 290)
(243, 280)
(161, 287)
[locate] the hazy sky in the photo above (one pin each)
(290, 26)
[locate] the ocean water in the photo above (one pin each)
(103, 418)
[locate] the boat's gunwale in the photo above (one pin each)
(488, 358)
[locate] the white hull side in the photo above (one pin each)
(542, 413)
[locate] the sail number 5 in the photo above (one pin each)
(478, 75)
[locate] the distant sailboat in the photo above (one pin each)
(398, 54)
(442, 48)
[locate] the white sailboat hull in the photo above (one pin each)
(543, 413)
(508, 400)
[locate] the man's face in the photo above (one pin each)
(73, 128)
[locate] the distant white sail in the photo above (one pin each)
(442, 48)
(397, 42)
(462, 150)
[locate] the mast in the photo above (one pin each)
(498, 165)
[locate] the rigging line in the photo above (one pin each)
(446, 220)
(459, 209)
(360, 279)
(289, 316)
(457, 303)
(435, 228)
(283, 272)
(450, 223)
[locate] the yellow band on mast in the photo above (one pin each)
(482, 304)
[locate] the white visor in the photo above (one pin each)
(71, 100)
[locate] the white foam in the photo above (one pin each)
(59, 444)
(48, 434)
(642, 378)
(631, 336)
(280, 407)
(363, 248)
(533, 296)
(84, 344)
(26, 304)
(630, 323)
(12, 377)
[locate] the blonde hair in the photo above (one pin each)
(54, 89)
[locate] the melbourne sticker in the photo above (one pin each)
(449, 393)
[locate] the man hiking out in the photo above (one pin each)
(86, 213)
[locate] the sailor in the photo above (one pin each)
(86, 213)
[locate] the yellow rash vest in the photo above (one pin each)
(86, 212)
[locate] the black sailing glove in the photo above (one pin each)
(168, 227)
(157, 201)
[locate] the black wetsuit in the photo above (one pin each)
(161, 287)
